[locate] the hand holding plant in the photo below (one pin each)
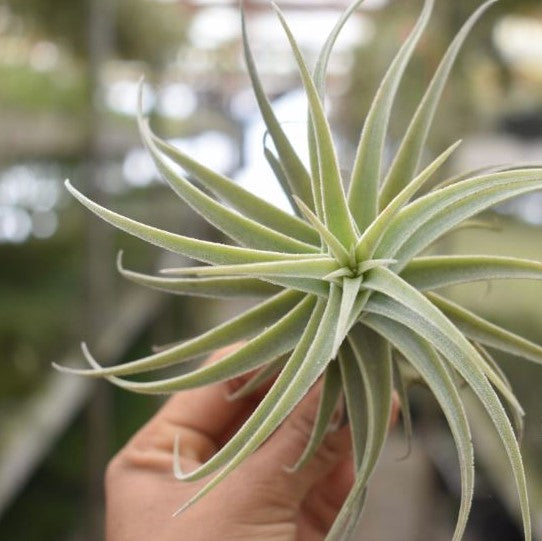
(260, 500)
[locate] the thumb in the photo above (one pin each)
(286, 445)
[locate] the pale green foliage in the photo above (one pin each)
(350, 295)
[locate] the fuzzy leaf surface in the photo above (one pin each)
(427, 362)
(221, 287)
(408, 157)
(365, 181)
(239, 228)
(484, 332)
(242, 200)
(423, 221)
(327, 408)
(337, 215)
(208, 252)
(427, 321)
(372, 355)
(276, 340)
(238, 328)
(296, 173)
(425, 273)
(314, 361)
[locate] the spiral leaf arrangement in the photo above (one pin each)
(347, 295)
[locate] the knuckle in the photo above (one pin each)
(110, 475)
(113, 470)
(330, 450)
(302, 422)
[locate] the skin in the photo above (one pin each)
(259, 500)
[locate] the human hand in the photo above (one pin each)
(259, 500)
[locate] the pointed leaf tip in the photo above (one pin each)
(367, 168)
(120, 254)
(89, 358)
(177, 469)
(336, 213)
(140, 113)
(407, 159)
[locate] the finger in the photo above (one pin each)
(201, 417)
(286, 445)
(395, 409)
(325, 499)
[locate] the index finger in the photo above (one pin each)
(203, 417)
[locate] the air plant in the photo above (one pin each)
(348, 294)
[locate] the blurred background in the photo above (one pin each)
(69, 71)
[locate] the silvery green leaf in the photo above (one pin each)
(242, 200)
(424, 220)
(515, 416)
(239, 228)
(401, 386)
(315, 268)
(238, 328)
(209, 252)
(368, 242)
(372, 355)
(274, 341)
(269, 402)
(386, 282)
(425, 273)
(305, 285)
(320, 69)
(484, 332)
(337, 215)
(319, 77)
(280, 175)
(426, 361)
(311, 361)
(408, 157)
(260, 378)
(296, 174)
(409, 307)
(365, 180)
(488, 224)
(335, 247)
(483, 171)
(327, 408)
(221, 287)
(350, 290)
(356, 401)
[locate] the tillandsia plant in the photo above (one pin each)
(348, 294)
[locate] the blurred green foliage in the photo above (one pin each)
(143, 30)
(59, 92)
(60, 480)
(40, 288)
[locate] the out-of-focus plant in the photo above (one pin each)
(143, 30)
